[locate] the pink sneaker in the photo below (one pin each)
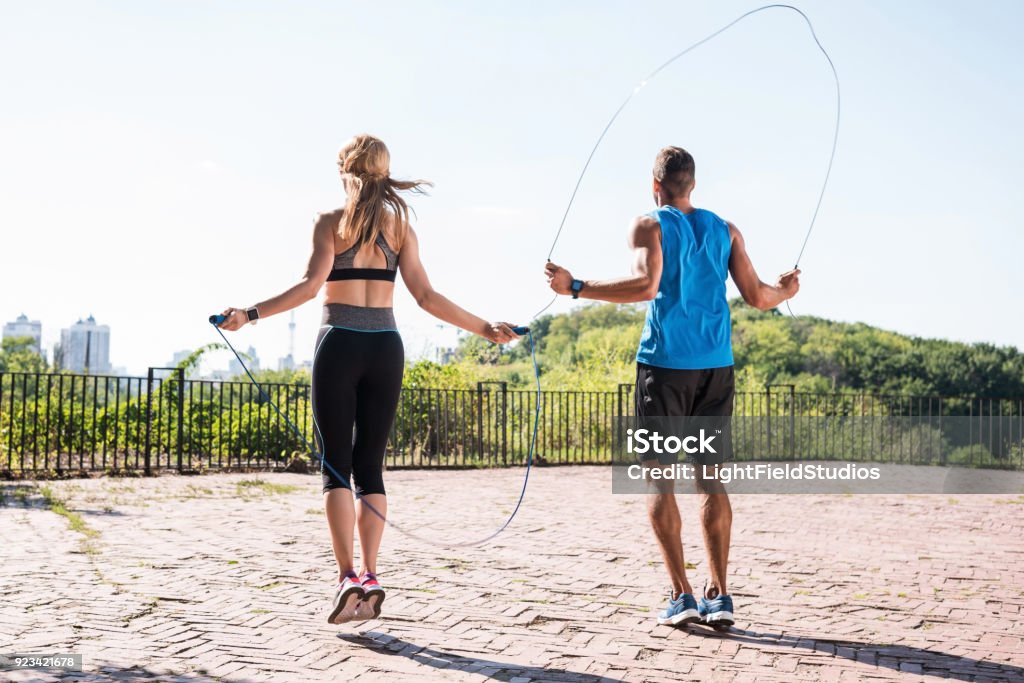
(373, 597)
(346, 600)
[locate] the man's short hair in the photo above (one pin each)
(674, 168)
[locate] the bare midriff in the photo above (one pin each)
(371, 293)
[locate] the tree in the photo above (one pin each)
(18, 354)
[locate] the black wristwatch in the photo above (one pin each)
(252, 314)
(576, 287)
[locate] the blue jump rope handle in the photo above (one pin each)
(521, 330)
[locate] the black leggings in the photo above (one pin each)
(357, 377)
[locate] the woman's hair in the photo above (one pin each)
(372, 192)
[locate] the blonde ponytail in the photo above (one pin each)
(372, 193)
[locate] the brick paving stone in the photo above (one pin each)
(221, 586)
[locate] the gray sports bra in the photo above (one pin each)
(344, 270)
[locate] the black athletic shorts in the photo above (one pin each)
(704, 394)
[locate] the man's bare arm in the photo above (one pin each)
(642, 285)
(758, 294)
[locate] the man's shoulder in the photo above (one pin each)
(651, 219)
(711, 216)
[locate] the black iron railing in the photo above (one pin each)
(68, 423)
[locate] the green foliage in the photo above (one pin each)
(427, 374)
(18, 355)
(593, 347)
(296, 376)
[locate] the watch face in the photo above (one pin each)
(252, 314)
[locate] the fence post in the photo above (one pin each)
(181, 414)
(622, 400)
(504, 423)
(149, 418)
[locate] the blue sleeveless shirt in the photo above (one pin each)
(688, 326)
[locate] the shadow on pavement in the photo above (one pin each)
(115, 674)
(387, 644)
(886, 656)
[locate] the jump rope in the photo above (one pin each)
(216, 320)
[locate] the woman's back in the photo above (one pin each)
(362, 275)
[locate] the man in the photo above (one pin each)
(682, 256)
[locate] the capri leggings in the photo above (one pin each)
(357, 377)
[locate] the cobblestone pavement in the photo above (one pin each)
(221, 577)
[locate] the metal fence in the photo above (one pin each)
(64, 423)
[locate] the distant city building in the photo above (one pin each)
(286, 363)
(180, 357)
(251, 360)
(84, 347)
(23, 327)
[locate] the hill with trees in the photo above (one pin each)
(593, 347)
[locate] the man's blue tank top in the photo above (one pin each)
(688, 326)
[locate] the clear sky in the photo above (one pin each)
(160, 161)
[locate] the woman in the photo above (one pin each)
(359, 357)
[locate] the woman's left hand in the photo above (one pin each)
(235, 318)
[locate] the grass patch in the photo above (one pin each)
(691, 565)
(260, 610)
(860, 596)
(232, 561)
(75, 522)
(1019, 500)
(57, 506)
(193, 491)
(901, 595)
(264, 486)
(271, 585)
(315, 511)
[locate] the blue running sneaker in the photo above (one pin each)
(716, 612)
(681, 610)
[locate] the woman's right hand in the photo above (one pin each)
(234, 318)
(499, 332)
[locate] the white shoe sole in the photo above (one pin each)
(345, 605)
(689, 616)
(369, 608)
(719, 619)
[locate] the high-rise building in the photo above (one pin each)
(178, 358)
(23, 327)
(85, 347)
(251, 359)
